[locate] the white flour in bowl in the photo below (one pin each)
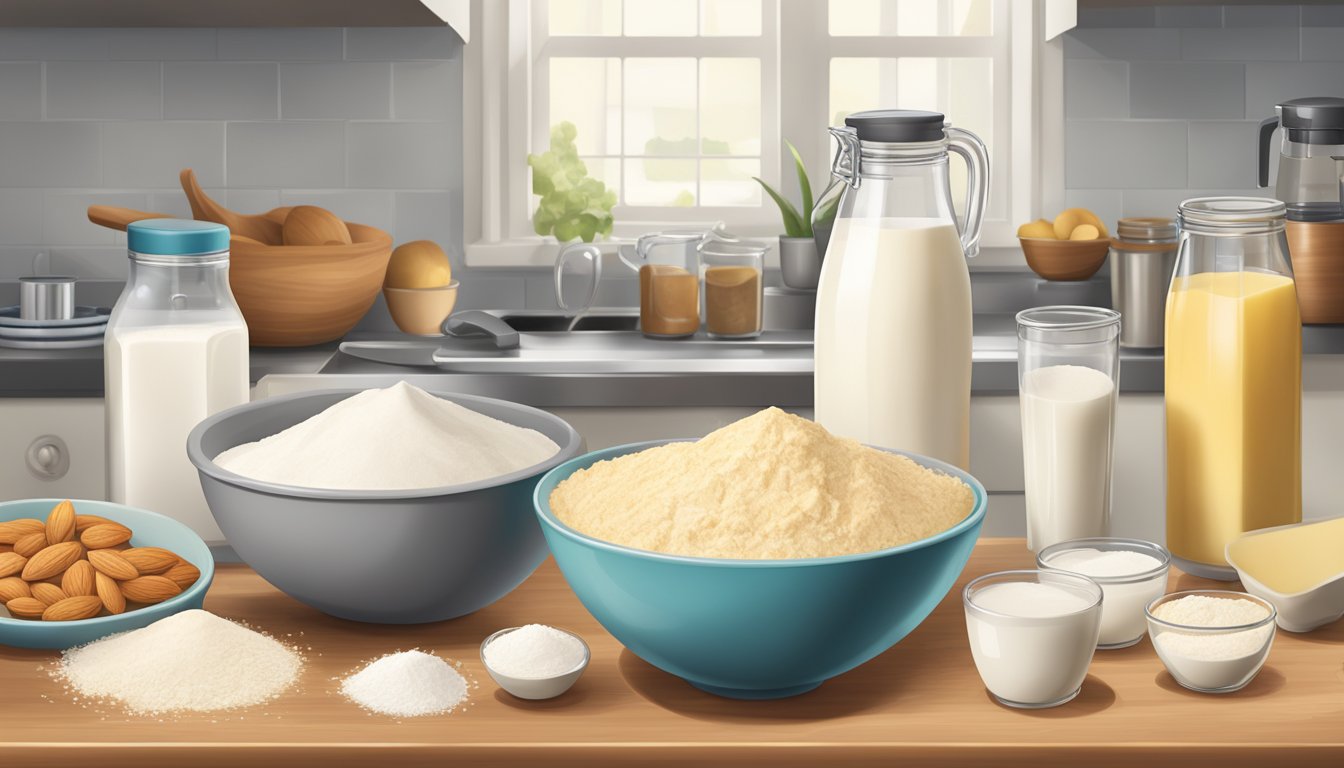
(406, 684)
(395, 439)
(190, 661)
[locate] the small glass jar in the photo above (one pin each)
(1212, 659)
(1126, 593)
(1068, 365)
(1143, 254)
(734, 277)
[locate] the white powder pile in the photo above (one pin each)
(772, 485)
(533, 652)
(1204, 611)
(399, 438)
(1104, 564)
(406, 684)
(191, 661)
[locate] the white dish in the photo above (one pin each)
(86, 343)
(9, 318)
(537, 688)
(1298, 611)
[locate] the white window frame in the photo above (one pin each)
(500, 75)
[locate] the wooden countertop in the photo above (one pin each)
(921, 703)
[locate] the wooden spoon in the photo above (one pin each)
(261, 228)
(115, 217)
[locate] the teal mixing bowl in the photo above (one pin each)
(149, 529)
(757, 629)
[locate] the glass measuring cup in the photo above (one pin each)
(669, 281)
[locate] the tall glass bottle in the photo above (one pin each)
(1233, 381)
(176, 352)
(893, 324)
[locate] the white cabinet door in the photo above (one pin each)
(52, 448)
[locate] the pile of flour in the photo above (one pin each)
(191, 661)
(395, 439)
(771, 486)
(406, 684)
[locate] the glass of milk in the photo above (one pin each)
(1033, 634)
(1068, 368)
(1131, 572)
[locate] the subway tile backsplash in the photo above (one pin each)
(1163, 103)
(364, 122)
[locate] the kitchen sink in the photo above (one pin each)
(555, 322)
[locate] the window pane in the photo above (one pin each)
(730, 106)
(652, 181)
(583, 17)
(732, 18)
(660, 18)
(939, 18)
(729, 182)
(660, 107)
(587, 93)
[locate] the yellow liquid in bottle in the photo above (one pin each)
(1234, 410)
(1294, 559)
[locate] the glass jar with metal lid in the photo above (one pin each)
(1143, 254)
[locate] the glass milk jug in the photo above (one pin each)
(1233, 381)
(176, 352)
(893, 324)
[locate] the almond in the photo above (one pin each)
(78, 579)
(183, 574)
(149, 589)
(26, 608)
(52, 561)
(12, 587)
(61, 523)
(73, 609)
(105, 535)
(109, 593)
(14, 530)
(112, 564)
(85, 522)
(11, 563)
(31, 544)
(150, 560)
(48, 593)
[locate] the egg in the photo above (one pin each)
(1084, 232)
(418, 264)
(1039, 228)
(311, 225)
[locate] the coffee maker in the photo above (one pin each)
(1308, 182)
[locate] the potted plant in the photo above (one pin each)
(806, 231)
(573, 206)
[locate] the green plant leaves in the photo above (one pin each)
(804, 186)
(572, 205)
(793, 224)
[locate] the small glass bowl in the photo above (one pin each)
(536, 688)
(1239, 654)
(1125, 597)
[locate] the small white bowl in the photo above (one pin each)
(1219, 675)
(537, 688)
(1299, 611)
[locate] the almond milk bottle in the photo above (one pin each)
(175, 353)
(893, 325)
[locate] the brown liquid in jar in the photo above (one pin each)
(733, 301)
(669, 301)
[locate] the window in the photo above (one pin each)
(679, 103)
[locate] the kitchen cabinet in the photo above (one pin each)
(920, 703)
(52, 447)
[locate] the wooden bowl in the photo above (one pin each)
(299, 295)
(1065, 259)
(421, 311)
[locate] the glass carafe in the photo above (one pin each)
(1233, 381)
(893, 323)
(1313, 133)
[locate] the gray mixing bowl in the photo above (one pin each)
(389, 557)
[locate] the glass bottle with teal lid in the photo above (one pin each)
(176, 352)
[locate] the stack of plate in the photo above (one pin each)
(83, 330)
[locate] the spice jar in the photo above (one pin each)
(733, 274)
(1143, 254)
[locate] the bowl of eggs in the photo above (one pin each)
(1072, 247)
(419, 287)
